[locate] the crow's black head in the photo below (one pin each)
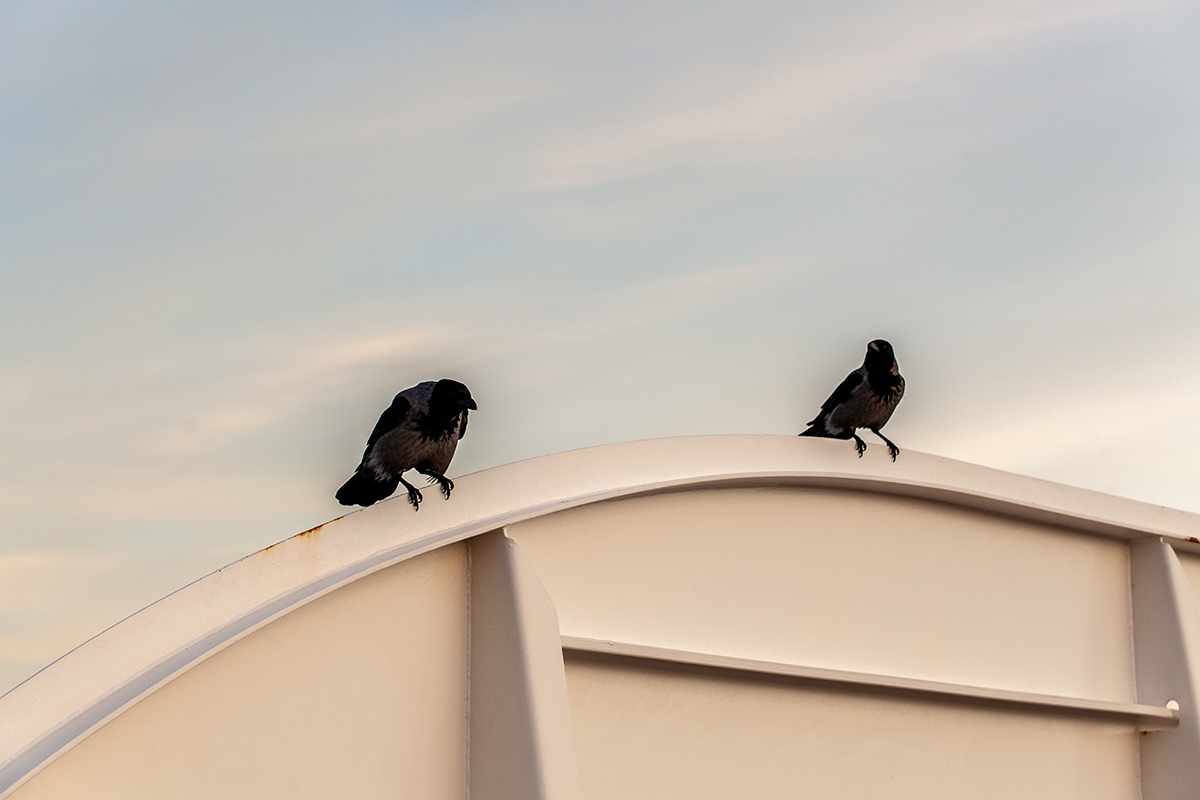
(880, 356)
(449, 398)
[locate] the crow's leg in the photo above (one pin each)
(414, 495)
(441, 480)
(895, 451)
(859, 444)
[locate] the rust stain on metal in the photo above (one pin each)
(311, 533)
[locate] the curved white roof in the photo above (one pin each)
(61, 706)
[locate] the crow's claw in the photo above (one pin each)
(442, 481)
(895, 451)
(414, 497)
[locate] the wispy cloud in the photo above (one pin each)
(803, 97)
(32, 579)
(211, 429)
(265, 395)
(393, 122)
(1048, 430)
(164, 440)
(636, 305)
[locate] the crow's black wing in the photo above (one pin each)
(841, 394)
(390, 418)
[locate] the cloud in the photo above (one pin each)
(163, 436)
(258, 397)
(803, 96)
(1044, 431)
(632, 306)
(31, 580)
(335, 126)
(211, 429)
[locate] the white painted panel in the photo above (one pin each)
(360, 694)
(658, 734)
(846, 580)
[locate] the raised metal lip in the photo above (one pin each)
(1143, 717)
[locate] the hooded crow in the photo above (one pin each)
(420, 431)
(866, 399)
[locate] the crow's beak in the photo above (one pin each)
(469, 403)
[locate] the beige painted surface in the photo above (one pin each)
(933, 629)
(360, 694)
(650, 734)
(81, 692)
(845, 580)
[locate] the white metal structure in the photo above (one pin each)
(715, 617)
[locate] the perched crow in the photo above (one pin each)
(419, 431)
(866, 399)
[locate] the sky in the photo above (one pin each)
(231, 231)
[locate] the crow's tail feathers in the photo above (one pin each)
(816, 427)
(362, 490)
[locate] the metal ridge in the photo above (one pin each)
(1144, 717)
